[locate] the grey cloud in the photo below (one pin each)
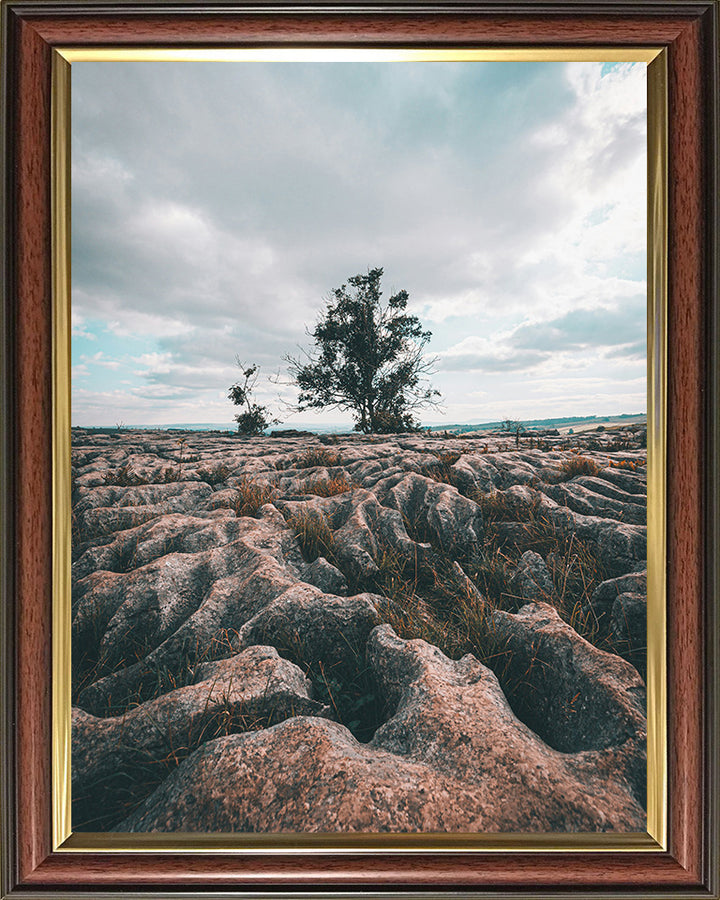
(529, 345)
(279, 157)
(637, 351)
(486, 362)
(584, 328)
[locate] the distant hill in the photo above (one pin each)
(563, 422)
(560, 422)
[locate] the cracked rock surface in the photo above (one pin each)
(388, 633)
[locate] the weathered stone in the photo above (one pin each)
(438, 509)
(312, 625)
(628, 628)
(588, 500)
(453, 757)
(608, 591)
(532, 579)
(575, 696)
(325, 576)
(252, 690)
(168, 581)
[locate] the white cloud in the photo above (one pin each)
(78, 326)
(99, 359)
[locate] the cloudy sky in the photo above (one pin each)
(216, 205)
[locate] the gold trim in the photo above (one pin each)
(359, 54)
(61, 489)
(656, 837)
(657, 460)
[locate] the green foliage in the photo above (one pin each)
(368, 359)
(255, 418)
(254, 421)
(513, 425)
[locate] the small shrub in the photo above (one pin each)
(253, 422)
(255, 419)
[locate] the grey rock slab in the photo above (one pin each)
(591, 502)
(531, 579)
(453, 758)
(455, 521)
(313, 625)
(605, 594)
(251, 690)
(322, 574)
(574, 695)
(628, 622)
(621, 547)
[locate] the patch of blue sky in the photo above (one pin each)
(608, 68)
(446, 334)
(103, 358)
(111, 343)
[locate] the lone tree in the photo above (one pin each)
(255, 419)
(515, 426)
(368, 358)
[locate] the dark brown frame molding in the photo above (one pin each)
(688, 29)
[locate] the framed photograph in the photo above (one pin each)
(360, 517)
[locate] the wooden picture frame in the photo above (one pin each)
(688, 30)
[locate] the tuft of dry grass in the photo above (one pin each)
(318, 456)
(314, 535)
(444, 473)
(500, 507)
(578, 465)
(446, 598)
(124, 477)
(629, 465)
(329, 487)
(252, 495)
(447, 457)
(436, 602)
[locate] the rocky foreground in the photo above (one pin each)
(384, 634)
